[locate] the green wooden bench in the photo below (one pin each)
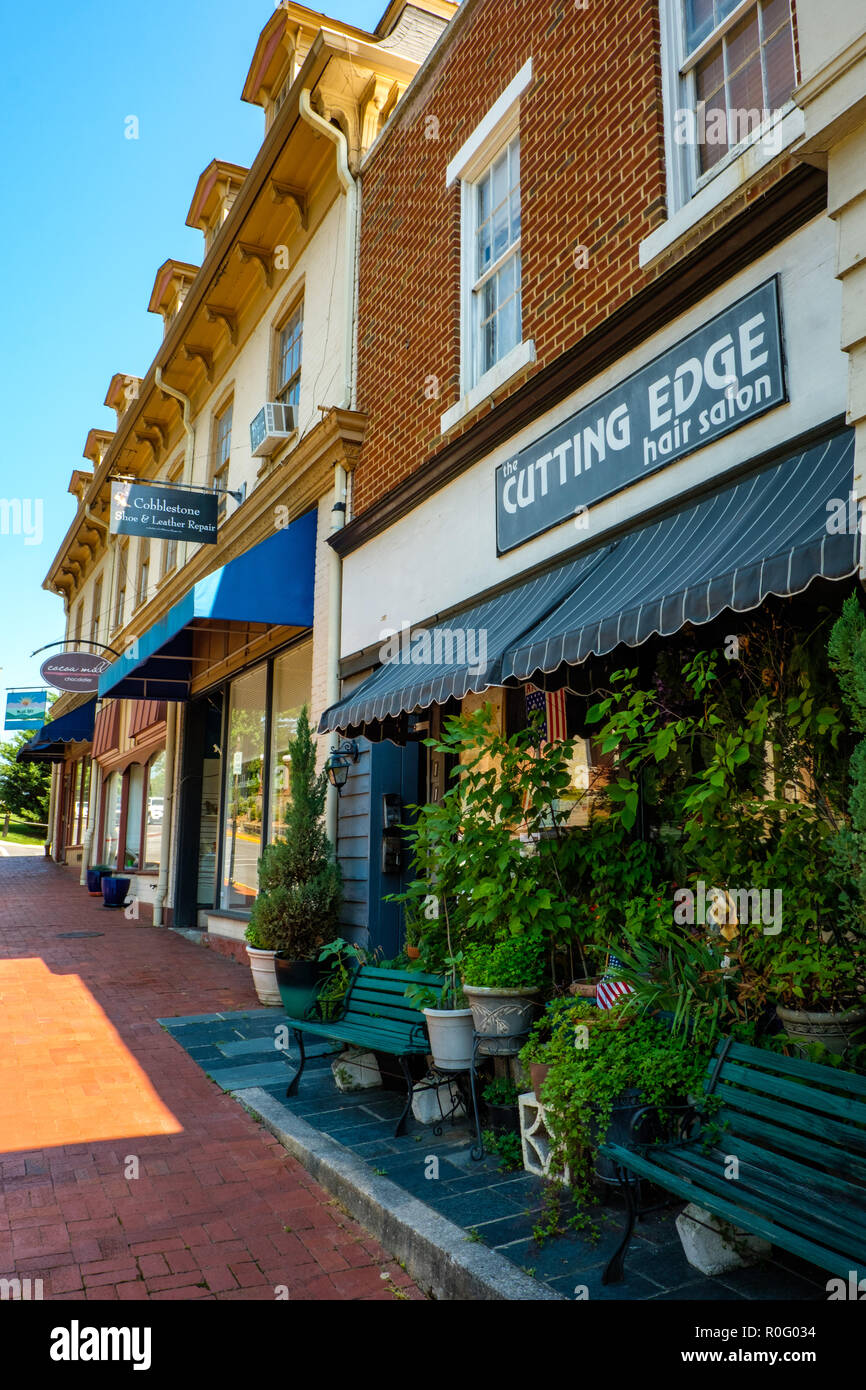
(375, 1014)
(798, 1133)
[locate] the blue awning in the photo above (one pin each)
(271, 584)
(52, 740)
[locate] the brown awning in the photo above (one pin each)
(106, 730)
(144, 714)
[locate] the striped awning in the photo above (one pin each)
(767, 533)
(451, 658)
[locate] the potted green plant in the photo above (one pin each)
(500, 1104)
(300, 891)
(502, 985)
(595, 1087)
(339, 958)
(449, 1021)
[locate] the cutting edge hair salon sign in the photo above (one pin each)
(727, 372)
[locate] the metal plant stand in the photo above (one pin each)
(487, 1045)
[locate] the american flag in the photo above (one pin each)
(552, 706)
(609, 989)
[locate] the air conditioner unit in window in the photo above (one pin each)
(274, 424)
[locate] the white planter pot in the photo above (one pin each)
(450, 1037)
(264, 977)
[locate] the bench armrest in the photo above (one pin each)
(687, 1122)
(418, 1036)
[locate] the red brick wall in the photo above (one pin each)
(592, 174)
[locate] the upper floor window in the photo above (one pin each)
(289, 359)
(495, 238)
(487, 166)
(222, 454)
(169, 547)
(95, 613)
(143, 574)
(736, 74)
(119, 603)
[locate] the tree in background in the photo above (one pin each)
(24, 787)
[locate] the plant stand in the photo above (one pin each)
(429, 1092)
(488, 1045)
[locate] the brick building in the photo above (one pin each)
(600, 356)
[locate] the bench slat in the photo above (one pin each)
(829, 1077)
(831, 1131)
(396, 1043)
(803, 1098)
(730, 1211)
(775, 1195)
(748, 1127)
(827, 1186)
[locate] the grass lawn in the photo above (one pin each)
(21, 832)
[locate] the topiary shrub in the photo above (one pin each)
(300, 884)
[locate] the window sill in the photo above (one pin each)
(725, 181)
(514, 362)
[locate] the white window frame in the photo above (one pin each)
(486, 142)
(692, 196)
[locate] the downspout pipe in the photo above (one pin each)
(338, 511)
(189, 431)
(335, 624)
(95, 769)
(350, 188)
(171, 709)
(167, 814)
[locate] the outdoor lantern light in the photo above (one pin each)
(337, 765)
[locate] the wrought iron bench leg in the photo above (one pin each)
(293, 1084)
(401, 1123)
(615, 1267)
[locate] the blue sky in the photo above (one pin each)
(88, 218)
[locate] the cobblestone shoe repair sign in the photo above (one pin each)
(163, 514)
(724, 374)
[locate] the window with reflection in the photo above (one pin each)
(243, 789)
(155, 811)
(134, 808)
(113, 792)
(292, 679)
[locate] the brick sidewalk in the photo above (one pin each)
(89, 1083)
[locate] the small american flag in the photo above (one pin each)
(609, 989)
(552, 706)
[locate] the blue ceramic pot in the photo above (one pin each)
(114, 891)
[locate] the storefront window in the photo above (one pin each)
(113, 797)
(292, 677)
(134, 807)
(84, 800)
(155, 811)
(242, 817)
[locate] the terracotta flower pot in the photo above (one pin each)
(538, 1074)
(413, 952)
